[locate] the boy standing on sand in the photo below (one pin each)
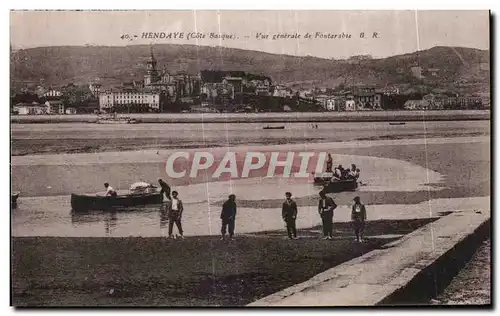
(358, 217)
(289, 214)
(175, 215)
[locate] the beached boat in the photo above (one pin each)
(340, 186)
(325, 180)
(121, 120)
(322, 178)
(114, 119)
(93, 202)
(273, 127)
(397, 123)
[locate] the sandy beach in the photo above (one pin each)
(411, 176)
(197, 271)
(72, 138)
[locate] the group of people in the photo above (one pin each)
(339, 173)
(326, 207)
(175, 208)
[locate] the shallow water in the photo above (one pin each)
(47, 181)
(227, 132)
(259, 198)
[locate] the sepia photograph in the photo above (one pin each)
(250, 158)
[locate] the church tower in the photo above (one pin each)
(152, 74)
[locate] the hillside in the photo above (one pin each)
(61, 65)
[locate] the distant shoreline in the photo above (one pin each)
(172, 118)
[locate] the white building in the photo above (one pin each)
(148, 99)
(330, 105)
(71, 111)
(416, 105)
(55, 107)
(282, 92)
(350, 105)
(95, 88)
(30, 109)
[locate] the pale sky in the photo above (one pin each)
(399, 31)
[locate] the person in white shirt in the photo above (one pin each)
(175, 215)
(354, 172)
(109, 190)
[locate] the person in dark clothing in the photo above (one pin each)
(175, 215)
(329, 163)
(228, 216)
(345, 174)
(358, 217)
(165, 188)
(289, 214)
(326, 207)
(338, 172)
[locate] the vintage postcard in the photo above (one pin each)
(250, 158)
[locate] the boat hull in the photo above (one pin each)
(337, 186)
(117, 122)
(273, 127)
(88, 202)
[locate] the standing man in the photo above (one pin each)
(228, 216)
(165, 188)
(289, 214)
(358, 217)
(175, 215)
(326, 207)
(329, 163)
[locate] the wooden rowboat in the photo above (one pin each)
(335, 186)
(397, 123)
(340, 186)
(92, 202)
(273, 127)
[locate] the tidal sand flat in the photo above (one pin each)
(449, 173)
(360, 116)
(29, 139)
(456, 180)
(196, 271)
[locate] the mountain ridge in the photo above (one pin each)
(58, 65)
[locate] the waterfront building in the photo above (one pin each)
(30, 108)
(139, 99)
(55, 107)
(365, 98)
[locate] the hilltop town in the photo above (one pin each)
(161, 90)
